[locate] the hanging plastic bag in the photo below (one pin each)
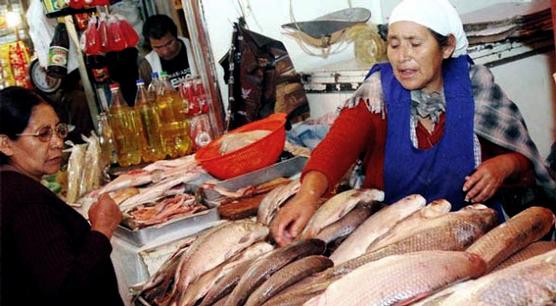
(116, 37)
(129, 34)
(75, 170)
(102, 29)
(92, 38)
(92, 174)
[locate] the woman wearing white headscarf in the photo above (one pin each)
(428, 121)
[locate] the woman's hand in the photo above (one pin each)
(292, 218)
(489, 176)
(105, 215)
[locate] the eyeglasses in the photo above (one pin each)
(45, 133)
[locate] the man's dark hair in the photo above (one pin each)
(156, 26)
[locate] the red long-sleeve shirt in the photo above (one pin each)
(358, 130)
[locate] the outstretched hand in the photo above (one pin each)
(291, 219)
(487, 178)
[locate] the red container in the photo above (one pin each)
(257, 155)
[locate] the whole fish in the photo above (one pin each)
(453, 231)
(504, 240)
(274, 199)
(225, 285)
(337, 207)
(286, 276)
(530, 282)
(407, 226)
(159, 286)
(532, 250)
(401, 279)
(375, 227)
(269, 264)
(215, 248)
(346, 225)
(200, 287)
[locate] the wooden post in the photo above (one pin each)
(87, 86)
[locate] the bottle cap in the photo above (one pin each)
(114, 86)
(163, 74)
(154, 75)
(139, 82)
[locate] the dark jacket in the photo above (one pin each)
(49, 255)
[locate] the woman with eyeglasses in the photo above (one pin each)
(50, 255)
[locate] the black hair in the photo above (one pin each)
(156, 26)
(16, 106)
(443, 40)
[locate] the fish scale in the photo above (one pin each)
(287, 276)
(513, 235)
(530, 282)
(402, 278)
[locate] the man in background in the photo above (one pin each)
(170, 52)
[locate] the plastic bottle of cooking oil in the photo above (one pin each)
(126, 128)
(176, 125)
(154, 86)
(150, 118)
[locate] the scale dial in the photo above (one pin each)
(41, 80)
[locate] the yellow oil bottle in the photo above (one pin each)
(175, 129)
(126, 128)
(150, 119)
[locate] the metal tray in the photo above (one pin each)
(170, 230)
(285, 168)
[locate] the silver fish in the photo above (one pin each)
(200, 287)
(286, 276)
(375, 227)
(407, 226)
(400, 279)
(346, 225)
(337, 207)
(268, 265)
(215, 248)
(274, 199)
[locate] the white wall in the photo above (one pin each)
(534, 94)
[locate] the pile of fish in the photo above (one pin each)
(232, 261)
(156, 193)
(396, 254)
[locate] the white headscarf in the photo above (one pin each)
(437, 15)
